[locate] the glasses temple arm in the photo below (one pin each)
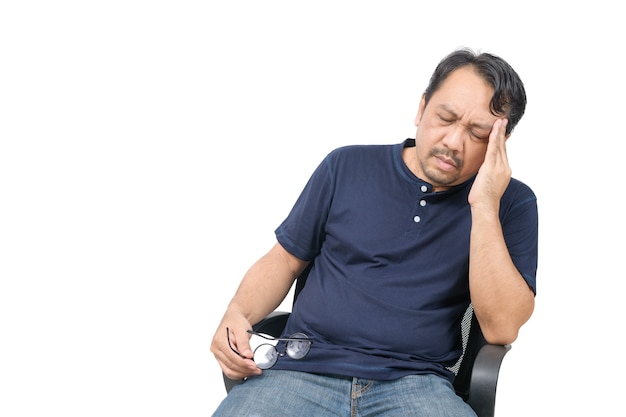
(278, 339)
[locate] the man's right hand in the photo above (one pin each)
(239, 364)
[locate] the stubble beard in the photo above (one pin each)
(436, 176)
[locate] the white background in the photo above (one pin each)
(149, 149)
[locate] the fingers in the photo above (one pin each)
(494, 173)
(496, 155)
(498, 133)
(235, 358)
(239, 343)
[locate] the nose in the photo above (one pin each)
(454, 137)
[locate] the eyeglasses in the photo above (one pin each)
(266, 355)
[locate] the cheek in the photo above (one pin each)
(431, 135)
(474, 159)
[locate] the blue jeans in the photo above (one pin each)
(278, 393)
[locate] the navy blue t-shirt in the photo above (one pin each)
(389, 284)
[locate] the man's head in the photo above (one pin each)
(467, 93)
(509, 95)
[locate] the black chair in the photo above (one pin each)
(476, 371)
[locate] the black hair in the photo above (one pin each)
(509, 97)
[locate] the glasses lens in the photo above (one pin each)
(265, 356)
(297, 349)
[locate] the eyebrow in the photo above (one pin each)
(484, 126)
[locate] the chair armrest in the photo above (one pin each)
(484, 380)
(273, 325)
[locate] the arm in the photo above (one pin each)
(262, 289)
(502, 300)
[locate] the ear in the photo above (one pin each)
(420, 111)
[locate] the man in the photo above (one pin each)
(402, 238)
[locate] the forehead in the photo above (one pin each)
(464, 91)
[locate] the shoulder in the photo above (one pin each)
(355, 153)
(518, 189)
(354, 160)
(360, 149)
(518, 194)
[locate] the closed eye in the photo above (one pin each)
(479, 136)
(446, 119)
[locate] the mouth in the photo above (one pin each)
(445, 163)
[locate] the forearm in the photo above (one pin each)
(266, 284)
(502, 300)
(262, 289)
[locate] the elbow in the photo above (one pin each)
(500, 337)
(502, 330)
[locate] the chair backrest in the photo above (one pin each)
(471, 336)
(472, 340)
